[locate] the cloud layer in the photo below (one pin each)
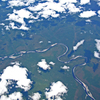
(17, 74)
(44, 10)
(57, 89)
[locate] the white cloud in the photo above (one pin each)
(65, 67)
(52, 63)
(97, 44)
(49, 41)
(12, 25)
(99, 13)
(3, 88)
(98, 3)
(43, 64)
(49, 8)
(47, 13)
(27, 2)
(4, 0)
(15, 63)
(78, 44)
(31, 21)
(18, 16)
(45, 10)
(72, 8)
(56, 90)
(67, 1)
(2, 24)
(84, 2)
(13, 96)
(20, 2)
(15, 73)
(23, 27)
(87, 14)
(96, 54)
(22, 34)
(16, 3)
(36, 96)
(88, 20)
(40, 41)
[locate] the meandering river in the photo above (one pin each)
(85, 87)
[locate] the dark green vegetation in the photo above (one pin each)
(65, 31)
